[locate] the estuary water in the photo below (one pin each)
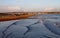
(43, 26)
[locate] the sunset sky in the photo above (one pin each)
(29, 5)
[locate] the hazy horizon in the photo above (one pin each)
(29, 5)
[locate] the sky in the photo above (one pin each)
(29, 5)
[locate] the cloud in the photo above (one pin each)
(4, 9)
(9, 8)
(51, 9)
(13, 8)
(48, 9)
